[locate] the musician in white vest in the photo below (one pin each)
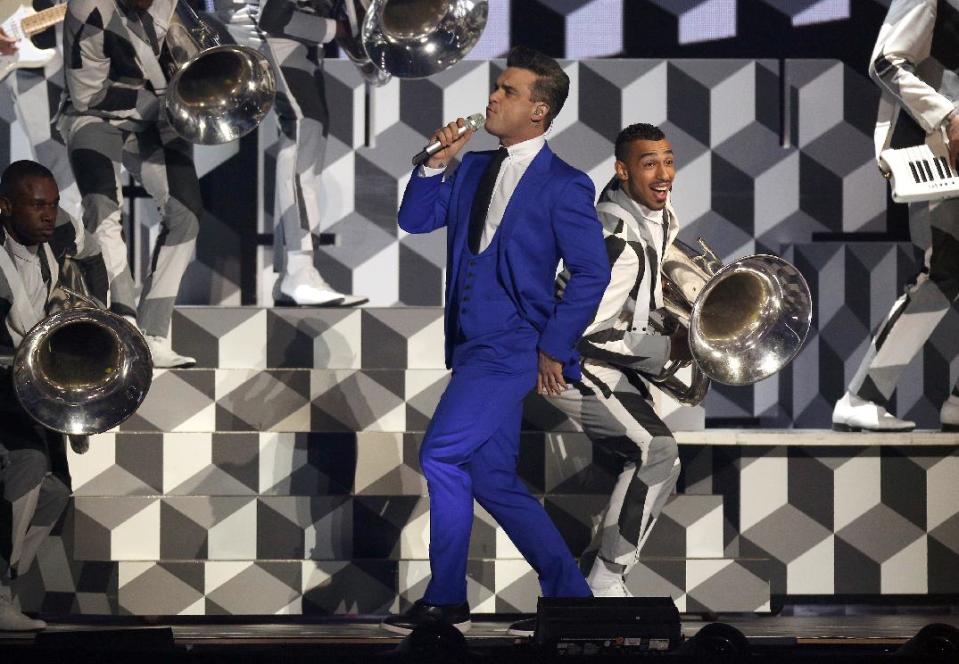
(30, 89)
(916, 65)
(35, 239)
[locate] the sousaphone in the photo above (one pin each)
(412, 38)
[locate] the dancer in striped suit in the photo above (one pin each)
(916, 66)
(612, 401)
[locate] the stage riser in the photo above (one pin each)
(246, 350)
(368, 587)
(379, 464)
(320, 400)
(852, 521)
(365, 464)
(280, 338)
(174, 528)
(873, 522)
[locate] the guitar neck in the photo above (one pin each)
(42, 20)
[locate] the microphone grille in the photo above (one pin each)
(475, 121)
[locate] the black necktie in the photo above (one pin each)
(482, 199)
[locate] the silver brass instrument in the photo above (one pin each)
(746, 320)
(217, 92)
(82, 369)
(413, 38)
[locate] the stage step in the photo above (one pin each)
(288, 400)
(177, 528)
(367, 463)
(368, 587)
(271, 340)
(322, 338)
(325, 400)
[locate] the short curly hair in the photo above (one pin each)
(640, 131)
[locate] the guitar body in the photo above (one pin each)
(12, 12)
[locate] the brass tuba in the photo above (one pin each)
(82, 369)
(413, 38)
(746, 320)
(217, 92)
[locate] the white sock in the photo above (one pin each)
(604, 574)
(298, 260)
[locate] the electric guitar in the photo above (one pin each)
(20, 21)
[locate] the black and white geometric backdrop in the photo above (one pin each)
(281, 474)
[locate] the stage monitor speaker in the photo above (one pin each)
(598, 625)
(934, 641)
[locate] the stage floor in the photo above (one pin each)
(760, 630)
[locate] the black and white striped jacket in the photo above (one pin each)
(916, 64)
(620, 333)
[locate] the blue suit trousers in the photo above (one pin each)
(470, 451)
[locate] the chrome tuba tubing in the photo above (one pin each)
(82, 369)
(413, 38)
(746, 320)
(217, 92)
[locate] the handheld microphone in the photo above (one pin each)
(473, 122)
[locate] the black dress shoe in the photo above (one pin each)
(525, 628)
(457, 615)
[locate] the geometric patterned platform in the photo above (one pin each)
(288, 400)
(320, 400)
(330, 338)
(883, 522)
(258, 490)
(372, 587)
(176, 528)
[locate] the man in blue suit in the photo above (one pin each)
(511, 215)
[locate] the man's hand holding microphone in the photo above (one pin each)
(446, 142)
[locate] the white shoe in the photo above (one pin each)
(164, 357)
(854, 414)
(606, 580)
(949, 414)
(11, 620)
(305, 288)
(525, 628)
(617, 589)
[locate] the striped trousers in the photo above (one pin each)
(304, 120)
(615, 409)
(163, 163)
(920, 309)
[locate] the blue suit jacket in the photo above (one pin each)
(550, 216)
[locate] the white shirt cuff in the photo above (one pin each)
(427, 172)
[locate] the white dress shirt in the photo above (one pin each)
(511, 171)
